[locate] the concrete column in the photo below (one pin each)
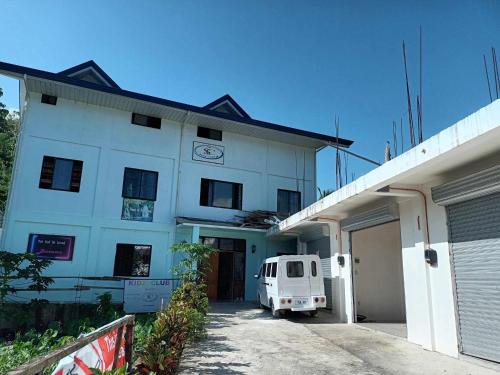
(195, 234)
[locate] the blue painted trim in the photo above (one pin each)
(17, 69)
(90, 64)
(228, 98)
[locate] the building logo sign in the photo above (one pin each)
(48, 246)
(208, 153)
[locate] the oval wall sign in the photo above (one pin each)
(208, 152)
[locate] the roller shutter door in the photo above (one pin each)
(474, 227)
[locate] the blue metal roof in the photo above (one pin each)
(114, 89)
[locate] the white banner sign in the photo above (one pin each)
(146, 295)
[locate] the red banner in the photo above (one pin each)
(98, 354)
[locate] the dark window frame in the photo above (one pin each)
(290, 194)
(124, 195)
(213, 134)
(49, 99)
(150, 121)
(314, 269)
(268, 270)
(288, 270)
(274, 268)
(77, 167)
(132, 264)
(207, 201)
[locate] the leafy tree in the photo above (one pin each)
(191, 268)
(324, 193)
(15, 266)
(9, 129)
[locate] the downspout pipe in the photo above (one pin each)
(388, 190)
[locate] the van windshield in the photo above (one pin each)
(295, 269)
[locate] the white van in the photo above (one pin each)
(291, 282)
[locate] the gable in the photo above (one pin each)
(90, 72)
(226, 104)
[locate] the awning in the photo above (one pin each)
(217, 224)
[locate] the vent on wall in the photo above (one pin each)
(148, 121)
(49, 99)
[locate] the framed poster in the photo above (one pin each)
(208, 153)
(146, 295)
(137, 209)
(50, 246)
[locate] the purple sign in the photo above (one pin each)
(49, 246)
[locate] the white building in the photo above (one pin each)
(417, 240)
(106, 180)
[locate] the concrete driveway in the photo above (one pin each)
(245, 340)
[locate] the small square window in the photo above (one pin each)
(288, 202)
(221, 194)
(49, 99)
(208, 133)
(139, 184)
(60, 174)
(132, 260)
(148, 121)
(295, 269)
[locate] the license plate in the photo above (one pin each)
(301, 301)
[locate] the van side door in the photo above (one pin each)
(262, 285)
(315, 278)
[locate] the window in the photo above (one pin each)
(61, 174)
(295, 269)
(314, 272)
(268, 271)
(139, 184)
(132, 260)
(221, 194)
(148, 121)
(273, 270)
(288, 202)
(263, 269)
(49, 99)
(216, 135)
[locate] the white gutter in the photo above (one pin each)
(213, 226)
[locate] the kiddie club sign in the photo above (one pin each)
(49, 246)
(146, 295)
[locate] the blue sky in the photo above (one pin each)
(296, 63)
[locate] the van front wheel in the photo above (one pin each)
(276, 313)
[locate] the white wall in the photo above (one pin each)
(378, 273)
(261, 166)
(106, 141)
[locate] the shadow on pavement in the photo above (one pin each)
(196, 360)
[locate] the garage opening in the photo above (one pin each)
(225, 277)
(379, 300)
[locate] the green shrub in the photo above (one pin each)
(193, 298)
(28, 346)
(165, 342)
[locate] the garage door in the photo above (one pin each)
(475, 241)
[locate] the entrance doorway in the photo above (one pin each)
(226, 275)
(377, 272)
